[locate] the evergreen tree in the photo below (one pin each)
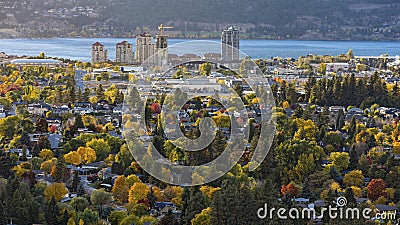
(75, 181)
(64, 218)
(51, 212)
(337, 92)
(78, 122)
(340, 120)
(230, 204)
(25, 139)
(80, 190)
(353, 158)
(306, 191)
(86, 95)
(193, 203)
(309, 85)
(351, 200)
(218, 145)
(72, 94)
(352, 128)
(79, 95)
(60, 173)
(100, 92)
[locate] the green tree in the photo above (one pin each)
(101, 148)
(79, 204)
(51, 212)
(354, 178)
(60, 172)
(89, 217)
(340, 160)
(205, 69)
(100, 92)
(78, 122)
(100, 198)
(116, 217)
(193, 203)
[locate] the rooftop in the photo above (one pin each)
(97, 44)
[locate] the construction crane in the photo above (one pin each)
(162, 27)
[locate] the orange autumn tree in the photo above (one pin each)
(291, 189)
(376, 188)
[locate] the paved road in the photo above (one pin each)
(79, 79)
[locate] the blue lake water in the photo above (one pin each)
(79, 48)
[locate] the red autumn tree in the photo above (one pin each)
(290, 189)
(376, 189)
(156, 108)
(53, 128)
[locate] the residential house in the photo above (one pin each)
(61, 110)
(83, 108)
(39, 109)
(103, 106)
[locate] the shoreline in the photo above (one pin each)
(186, 38)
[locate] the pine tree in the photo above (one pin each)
(306, 191)
(51, 212)
(86, 95)
(80, 190)
(78, 122)
(72, 94)
(193, 203)
(337, 92)
(353, 158)
(309, 85)
(230, 204)
(64, 218)
(352, 128)
(340, 120)
(75, 181)
(60, 171)
(218, 145)
(351, 200)
(100, 92)
(79, 96)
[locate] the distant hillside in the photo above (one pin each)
(300, 19)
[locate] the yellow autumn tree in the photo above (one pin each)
(87, 154)
(73, 158)
(137, 192)
(56, 190)
(47, 166)
(354, 178)
(120, 190)
(157, 193)
(209, 191)
(46, 154)
(357, 191)
(132, 179)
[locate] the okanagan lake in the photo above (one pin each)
(80, 48)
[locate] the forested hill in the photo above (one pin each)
(308, 19)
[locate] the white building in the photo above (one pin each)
(99, 54)
(145, 49)
(161, 54)
(335, 67)
(124, 53)
(230, 44)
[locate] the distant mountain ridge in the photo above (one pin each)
(290, 19)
